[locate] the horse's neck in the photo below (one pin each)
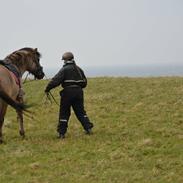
(21, 69)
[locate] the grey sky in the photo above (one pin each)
(98, 32)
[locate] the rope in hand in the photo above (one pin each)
(50, 97)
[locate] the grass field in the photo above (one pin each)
(138, 135)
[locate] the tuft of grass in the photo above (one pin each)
(138, 135)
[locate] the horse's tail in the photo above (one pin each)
(11, 102)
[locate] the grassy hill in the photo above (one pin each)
(138, 135)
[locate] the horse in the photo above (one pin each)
(12, 69)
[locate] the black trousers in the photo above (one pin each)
(72, 97)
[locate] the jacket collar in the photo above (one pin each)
(69, 62)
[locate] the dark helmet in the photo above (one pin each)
(67, 56)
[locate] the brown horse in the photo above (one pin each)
(12, 69)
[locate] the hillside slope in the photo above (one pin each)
(138, 135)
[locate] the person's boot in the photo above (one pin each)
(89, 130)
(61, 136)
(61, 129)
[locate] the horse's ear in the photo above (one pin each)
(36, 50)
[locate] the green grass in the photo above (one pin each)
(138, 135)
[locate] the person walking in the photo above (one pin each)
(73, 80)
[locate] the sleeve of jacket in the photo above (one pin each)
(56, 80)
(84, 78)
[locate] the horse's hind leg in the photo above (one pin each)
(1, 126)
(2, 114)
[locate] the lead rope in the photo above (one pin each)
(50, 96)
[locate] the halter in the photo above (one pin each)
(38, 73)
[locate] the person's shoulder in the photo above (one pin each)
(80, 69)
(61, 70)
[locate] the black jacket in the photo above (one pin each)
(69, 75)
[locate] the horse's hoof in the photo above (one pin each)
(22, 134)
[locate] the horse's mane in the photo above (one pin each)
(18, 57)
(31, 50)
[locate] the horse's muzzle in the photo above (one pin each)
(39, 74)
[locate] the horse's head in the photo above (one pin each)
(27, 59)
(36, 69)
(33, 64)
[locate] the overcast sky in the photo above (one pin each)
(98, 32)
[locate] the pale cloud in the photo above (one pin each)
(98, 32)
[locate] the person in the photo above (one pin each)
(73, 80)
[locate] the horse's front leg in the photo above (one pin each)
(21, 123)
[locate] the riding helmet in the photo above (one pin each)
(67, 56)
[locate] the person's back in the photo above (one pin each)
(73, 75)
